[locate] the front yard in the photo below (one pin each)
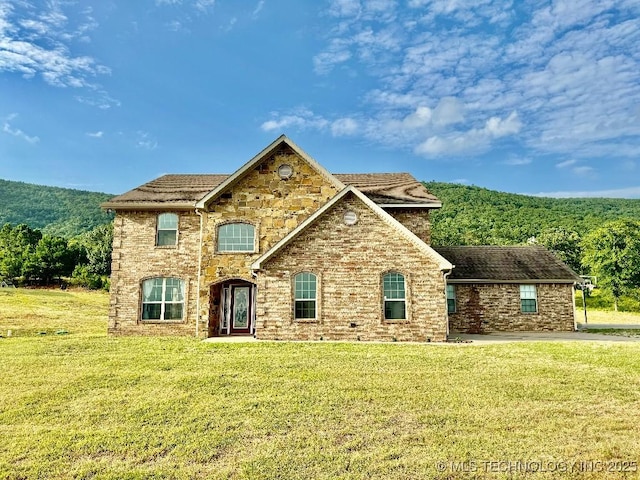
(84, 405)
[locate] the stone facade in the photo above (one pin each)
(272, 205)
(487, 307)
(136, 258)
(350, 262)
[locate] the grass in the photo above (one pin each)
(84, 405)
(609, 317)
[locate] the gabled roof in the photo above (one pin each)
(443, 263)
(190, 191)
(251, 164)
(391, 189)
(167, 192)
(513, 264)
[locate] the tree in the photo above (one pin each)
(53, 258)
(17, 249)
(612, 252)
(565, 244)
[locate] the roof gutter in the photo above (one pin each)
(515, 280)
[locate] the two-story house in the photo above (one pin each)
(283, 249)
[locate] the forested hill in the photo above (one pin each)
(475, 216)
(55, 211)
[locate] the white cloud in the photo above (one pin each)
(552, 77)
(98, 134)
(36, 42)
(300, 118)
(257, 9)
(344, 127)
(16, 132)
(566, 163)
(517, 161)
(145, 141)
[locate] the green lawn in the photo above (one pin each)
(84, 405)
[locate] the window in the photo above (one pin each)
(162, 299)
(167, 229)
(305, 296)
(236, 237)
(394, 296)
(528, 299)
(451, 299)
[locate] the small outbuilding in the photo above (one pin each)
(505, 289)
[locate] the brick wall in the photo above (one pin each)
(135, 258)
(485, 308)
(415, 219)
(350, 262)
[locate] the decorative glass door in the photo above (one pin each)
(240, 309)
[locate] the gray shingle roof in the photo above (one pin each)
(506, 264)
(184, 191)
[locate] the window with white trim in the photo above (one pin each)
(167, 229)
(305, 295)
(236, 237)
(528, 299)
(163, 299)
(451, 299)
(394, 296)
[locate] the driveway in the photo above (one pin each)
(504, 337)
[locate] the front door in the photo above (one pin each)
(240, 309)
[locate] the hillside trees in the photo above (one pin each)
(28, 254)
(612, 252)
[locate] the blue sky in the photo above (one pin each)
(524, 96)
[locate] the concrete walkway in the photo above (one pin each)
(501, 337)
(615, 326)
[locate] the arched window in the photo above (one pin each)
(305, 296)
(236, 237)
(394, 296)
(167, 231)
(163, 299)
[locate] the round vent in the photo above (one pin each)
(350, 218)
(285, 171)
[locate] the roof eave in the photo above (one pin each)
(511, 281)
(410, 205)
(146, 206)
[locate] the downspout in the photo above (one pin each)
(584, 301)
(199, 213)
(445, 275)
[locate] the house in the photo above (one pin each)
(283, 249)
(515, 288)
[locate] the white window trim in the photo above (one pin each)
(158, 229)
(163, 302)
(535, 297)
(314, 300)
(237, 222)
(403, 300)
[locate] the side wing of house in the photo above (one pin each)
(154, 279)
(352, 272)
(506, 289)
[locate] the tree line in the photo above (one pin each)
(29, 256)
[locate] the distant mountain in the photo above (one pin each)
(473, 215)
(56, 211)
(469, 215)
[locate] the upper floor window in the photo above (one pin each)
(451, 299)
(394, 296)
(167, 232)
(236, 237)
(163, 299)
(305, 296)
(528, 299)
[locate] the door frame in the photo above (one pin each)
(222, 297)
